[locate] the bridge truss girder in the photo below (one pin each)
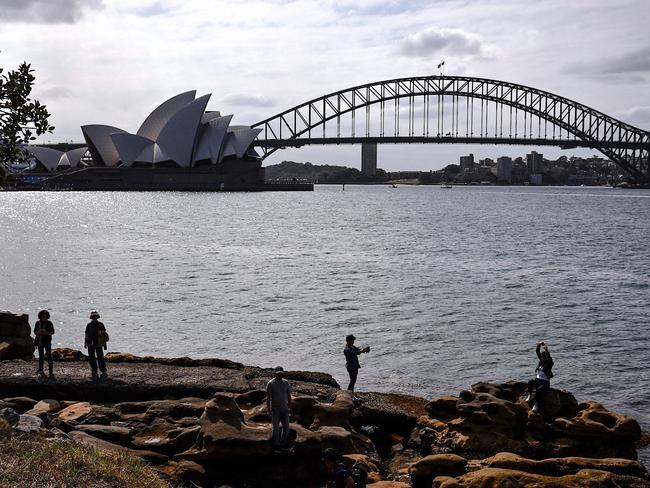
(626, 145)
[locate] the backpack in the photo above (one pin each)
(360, 475)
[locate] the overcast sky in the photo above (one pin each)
(113, 61)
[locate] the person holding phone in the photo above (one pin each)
(541, 385)
(352, 353)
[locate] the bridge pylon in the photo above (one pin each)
(369, 158)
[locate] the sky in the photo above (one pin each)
(113, 61)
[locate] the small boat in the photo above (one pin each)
(445, 185)
(392, 185)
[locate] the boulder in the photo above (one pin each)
(434, 465)
(185, 472)
(75, 412)
(251, 398)
(21, 404)
(10, 416)
(16, 348)
(496, 477)
(561, 466)
(96, 443)
(162, 436)
(390, 484)
(65, 354)
(44, 407)
(443, 408)
(110, 433)
(335, 414)
(223, 408)
(29, 424)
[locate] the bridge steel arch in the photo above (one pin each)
(624, 144)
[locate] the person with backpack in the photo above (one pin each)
(352, 359)
(340, 475)
(541, 385)
(95, 341)
(43, 331)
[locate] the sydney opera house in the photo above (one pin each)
(179, 146)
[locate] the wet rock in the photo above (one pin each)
(110, 433)
(75, 412)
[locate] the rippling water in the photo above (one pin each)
(449, 287)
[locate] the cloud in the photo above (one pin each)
(434, 41)
(46, 11)
(630, 63)
(639, 116)
(248, 100)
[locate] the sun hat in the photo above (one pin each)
(94, 315)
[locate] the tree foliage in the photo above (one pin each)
(21, 118)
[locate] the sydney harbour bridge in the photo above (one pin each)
(455, 110)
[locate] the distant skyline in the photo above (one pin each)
(113, 61)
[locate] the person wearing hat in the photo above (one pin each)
(352, 359)
(95, 342)
(43, 331)
(278, 404)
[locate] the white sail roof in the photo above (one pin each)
(179, 135)
(156, 121)
(100, 143)
(49, 158)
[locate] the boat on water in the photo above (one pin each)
(446, 185)
(392, 185)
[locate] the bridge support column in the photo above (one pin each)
(369, 158)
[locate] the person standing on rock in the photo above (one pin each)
(352, 359)
(95, 342)
(278, 403)
(43, 331)
(541, 385)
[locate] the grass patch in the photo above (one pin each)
(30, 462)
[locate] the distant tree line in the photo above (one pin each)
(320, 173)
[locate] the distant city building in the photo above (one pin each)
(536, 179)
(534, 162)
(369, 159)
(466, 162)
(504, 169)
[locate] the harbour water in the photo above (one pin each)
(447, 286)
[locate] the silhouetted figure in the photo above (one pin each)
(43, 331)
(352, 359)
(340, 475)
(541, 385)
(95, 341)
(278, 403)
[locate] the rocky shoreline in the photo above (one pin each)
(205, 422)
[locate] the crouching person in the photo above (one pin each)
(95, 341)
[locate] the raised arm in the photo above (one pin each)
(537, 350)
